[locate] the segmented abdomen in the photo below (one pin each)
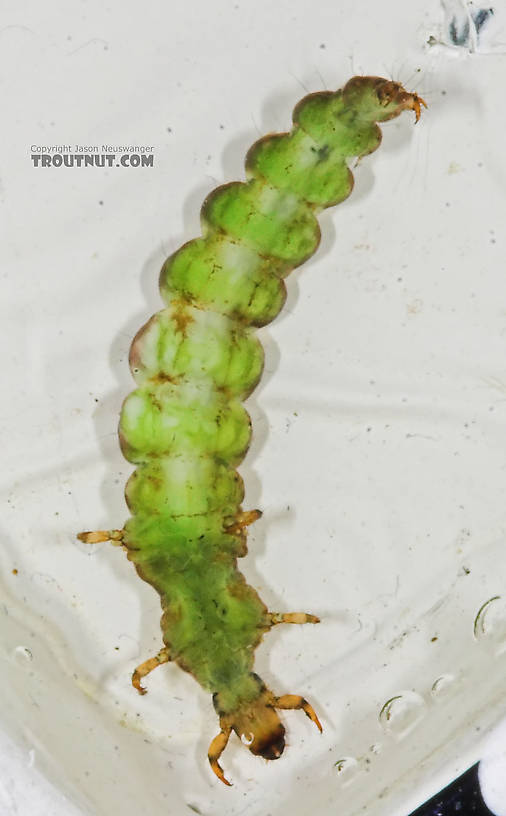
(194, 362)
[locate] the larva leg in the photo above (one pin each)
(97, 536)
(293, 617)
(243, 520)
(147, 667)
(289, 701)
(216, 749)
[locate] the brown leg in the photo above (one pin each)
(243, 519)
(289, 701)
(114, 536)
(216, 749)
(147, 667)
(293, 617)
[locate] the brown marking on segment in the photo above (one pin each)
(160, 378)
(134, 356)
(181, 317)
(126, 448)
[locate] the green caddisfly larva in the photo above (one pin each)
(185, 428)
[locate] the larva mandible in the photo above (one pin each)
(184, 426)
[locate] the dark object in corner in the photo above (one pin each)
(461, 798)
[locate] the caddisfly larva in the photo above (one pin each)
(184, 426)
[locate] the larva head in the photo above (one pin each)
(260, 728)
(379, 99)
(255, 720)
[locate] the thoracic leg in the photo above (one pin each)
(97, 536)
(243, 519)
(293, 617)
(147, 667)
(216, 749)
(289, 701)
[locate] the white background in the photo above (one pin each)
(379, 454)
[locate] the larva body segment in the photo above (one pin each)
(185, 427)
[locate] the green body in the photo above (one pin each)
(185, 427)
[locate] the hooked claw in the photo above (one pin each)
(415, 104)
(216, 749)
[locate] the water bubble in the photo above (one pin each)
(490, 624)
(22, 655)
(347, 769)
(443, 686)
(247, 739)
(401, 713)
